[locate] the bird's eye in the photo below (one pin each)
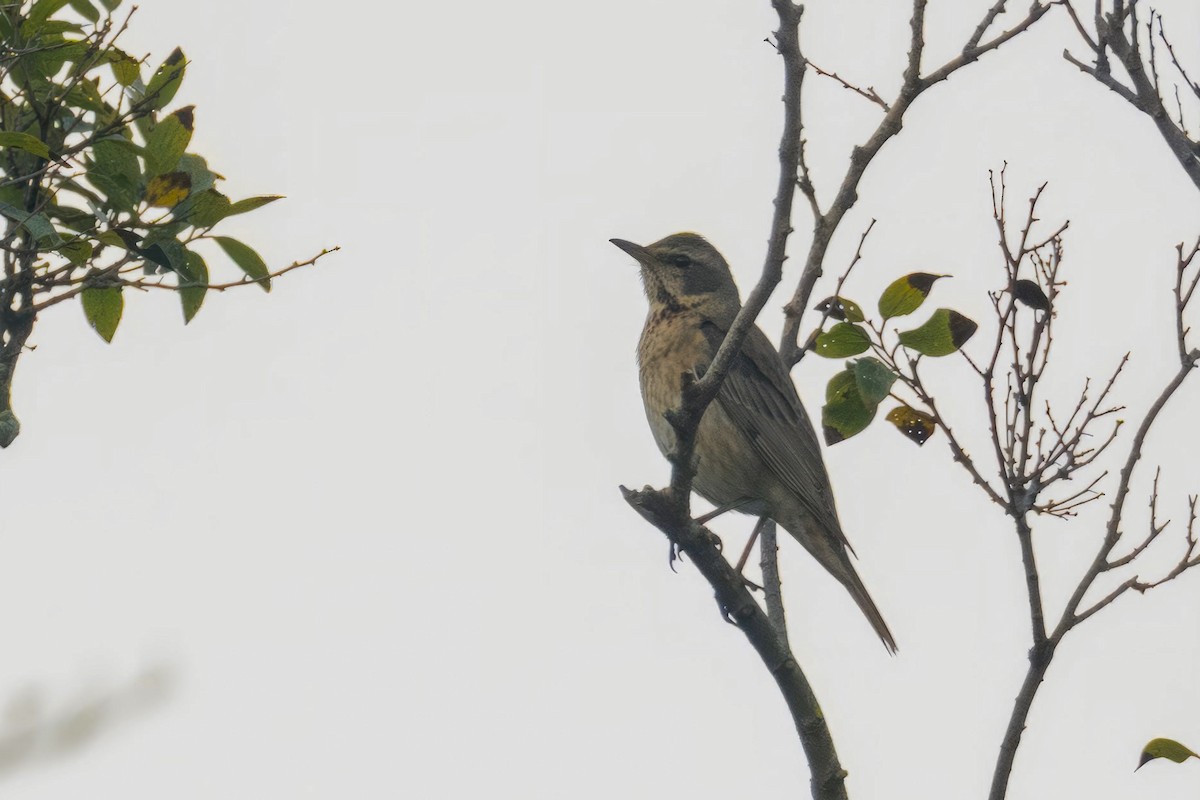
(680, 260)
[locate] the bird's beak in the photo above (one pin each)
(636, 250)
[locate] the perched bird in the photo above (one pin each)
(756, 448)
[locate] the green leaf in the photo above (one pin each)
(73, 218)
(116, 173)
(840, 308)
(944, 333)
(166, 79)
(1165, 748)
(250, 261)
(41, 11)
(110, 5)
(844, 413)
(251, 203)
(78, 251)
(209, 208)
(168, 190)
(23, 141)
(197, 169)
(168, 141)
(905, 295)
(193, 289)
(85, 10)
(38, 225)
(10, 427)
(843, 339)
(916, 425)
(873, 378)
(103, 307)
(126, 69)
(53, 26)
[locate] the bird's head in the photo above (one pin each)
(684, 270)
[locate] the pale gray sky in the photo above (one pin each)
(370, 524)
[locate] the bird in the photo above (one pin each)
(757, 451)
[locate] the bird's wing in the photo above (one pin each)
(758, 395)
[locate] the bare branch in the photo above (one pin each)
(825, 224)
(869, 93)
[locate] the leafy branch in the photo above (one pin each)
(98, 189)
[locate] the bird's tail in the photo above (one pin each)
(831, 553)
(849, 578)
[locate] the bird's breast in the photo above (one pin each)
(672, 344)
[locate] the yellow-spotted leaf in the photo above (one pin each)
(843, 339)
(840, 308)
(916, 425)
(167, 190)
(1165, 748)
(168, 141)
(905, 295)
(166, 79)
(942, 334)
(103, 307)
(844, 413)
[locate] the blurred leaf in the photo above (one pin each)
(1029, 293)
(126, 69)
(168, 190)
(905, 295)
(86, 95)
(78, 251)
(10, 427)
(192, 296)
(209, 208)
(165, 251)
(844, 413)
(873, 378)
(843, 339)
(116, 173)
(916, 425)
(112, 238)
(944, 333)
(37, 224)
(131, 241)
(250, 261)
(1164, 748)
(197, 169)
(841, 308)
(251, 203)
(165, 82)
(85, 10)
(23, 141)
(168, 141)
(103, 307)
(111, 5)
(41, 11)
(73, 218)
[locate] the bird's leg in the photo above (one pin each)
(704, 519)
(741, 564)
